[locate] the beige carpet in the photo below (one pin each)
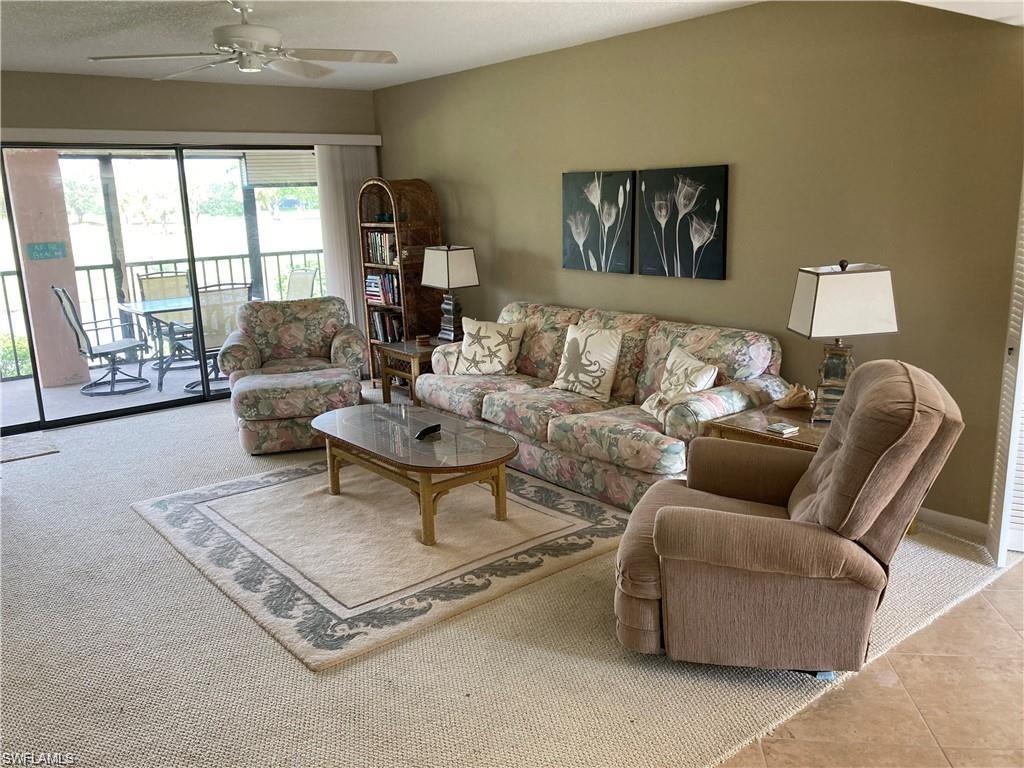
(115, 648)
(332, 577)
(25, 446)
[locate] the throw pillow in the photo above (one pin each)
(489, 347)
(684, 374)
(588, 362)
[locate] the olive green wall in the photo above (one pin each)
(864, 131)
(43, 100)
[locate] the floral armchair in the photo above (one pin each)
(288, 362)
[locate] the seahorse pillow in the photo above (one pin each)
(489, 347)
(588, 362)
(684, 374)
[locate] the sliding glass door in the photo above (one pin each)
(128, 301)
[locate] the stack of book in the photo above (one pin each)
(782, 429)
(383, 289)
(380, 248)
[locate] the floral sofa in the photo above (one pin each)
(610, 451)
(290, 361)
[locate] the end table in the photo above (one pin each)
(404, 360)
(751, 427)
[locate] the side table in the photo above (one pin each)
(404, 360)
(751, 427)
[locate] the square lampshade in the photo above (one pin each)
(830, 301)
(449, 266)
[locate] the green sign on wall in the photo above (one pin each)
(43, 251)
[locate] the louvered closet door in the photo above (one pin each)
(1006, 514)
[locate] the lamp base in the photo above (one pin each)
(451, 319)
(833, 374)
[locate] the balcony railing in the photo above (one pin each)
(97, 293)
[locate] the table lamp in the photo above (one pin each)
(835, 301)
(449, 267)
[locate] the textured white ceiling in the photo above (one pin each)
(431, 38)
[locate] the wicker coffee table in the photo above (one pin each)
(381, 438)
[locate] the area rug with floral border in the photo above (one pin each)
(331, 577)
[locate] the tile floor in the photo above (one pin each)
(951, 695)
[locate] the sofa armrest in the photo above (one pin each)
(349, 349)
(766, 474)
(763, 545)
(444, 358)
(685, 419)
(239, 353)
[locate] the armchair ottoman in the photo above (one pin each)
(778, 558)
(288, 362)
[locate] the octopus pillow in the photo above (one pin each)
(684, 375)
(489, 347)
(588, 362)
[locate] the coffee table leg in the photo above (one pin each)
(500, 511)
(333, 471)
(427, 508)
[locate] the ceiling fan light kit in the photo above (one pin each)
(251, 47)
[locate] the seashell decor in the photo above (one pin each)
(797, 396)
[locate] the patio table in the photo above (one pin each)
(150, 309)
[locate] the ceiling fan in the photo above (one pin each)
(251, 47)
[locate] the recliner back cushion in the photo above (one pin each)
(634, 328)
(893, 422)
(302, 328)
(546, 326)
(738, 354)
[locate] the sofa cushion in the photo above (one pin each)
(738, 354)
(625, 436)
(588, 362)
(261, 396)
(488, 348)
(464, 395)
(295, 365)
(529, 412)
(635, 329)
(546, 326)
(300, 328)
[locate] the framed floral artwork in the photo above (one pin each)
(597, 221)
(682, 221)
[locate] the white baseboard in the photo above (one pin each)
(959, 526)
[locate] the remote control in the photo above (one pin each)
(426, 432)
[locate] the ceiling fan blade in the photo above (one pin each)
(356, 56)
(198, 68)
(147, 56)
(297, 68)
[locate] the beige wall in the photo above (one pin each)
(870, 132)
(40, 100)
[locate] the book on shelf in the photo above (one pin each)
(383, 289)
(380, 248)
(387, 327)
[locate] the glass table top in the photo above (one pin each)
(388, 432)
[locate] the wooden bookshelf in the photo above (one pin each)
(392, 253)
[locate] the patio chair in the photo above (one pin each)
(301, 283)
(218, 305)
(115, 381)
(169, 285)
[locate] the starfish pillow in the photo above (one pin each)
(489, 347)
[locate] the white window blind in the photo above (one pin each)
(279, 167)
(1006, 513)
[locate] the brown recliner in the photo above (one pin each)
(778, 558)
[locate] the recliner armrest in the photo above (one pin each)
(763, 473)
(763, 545)
(238, 353)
